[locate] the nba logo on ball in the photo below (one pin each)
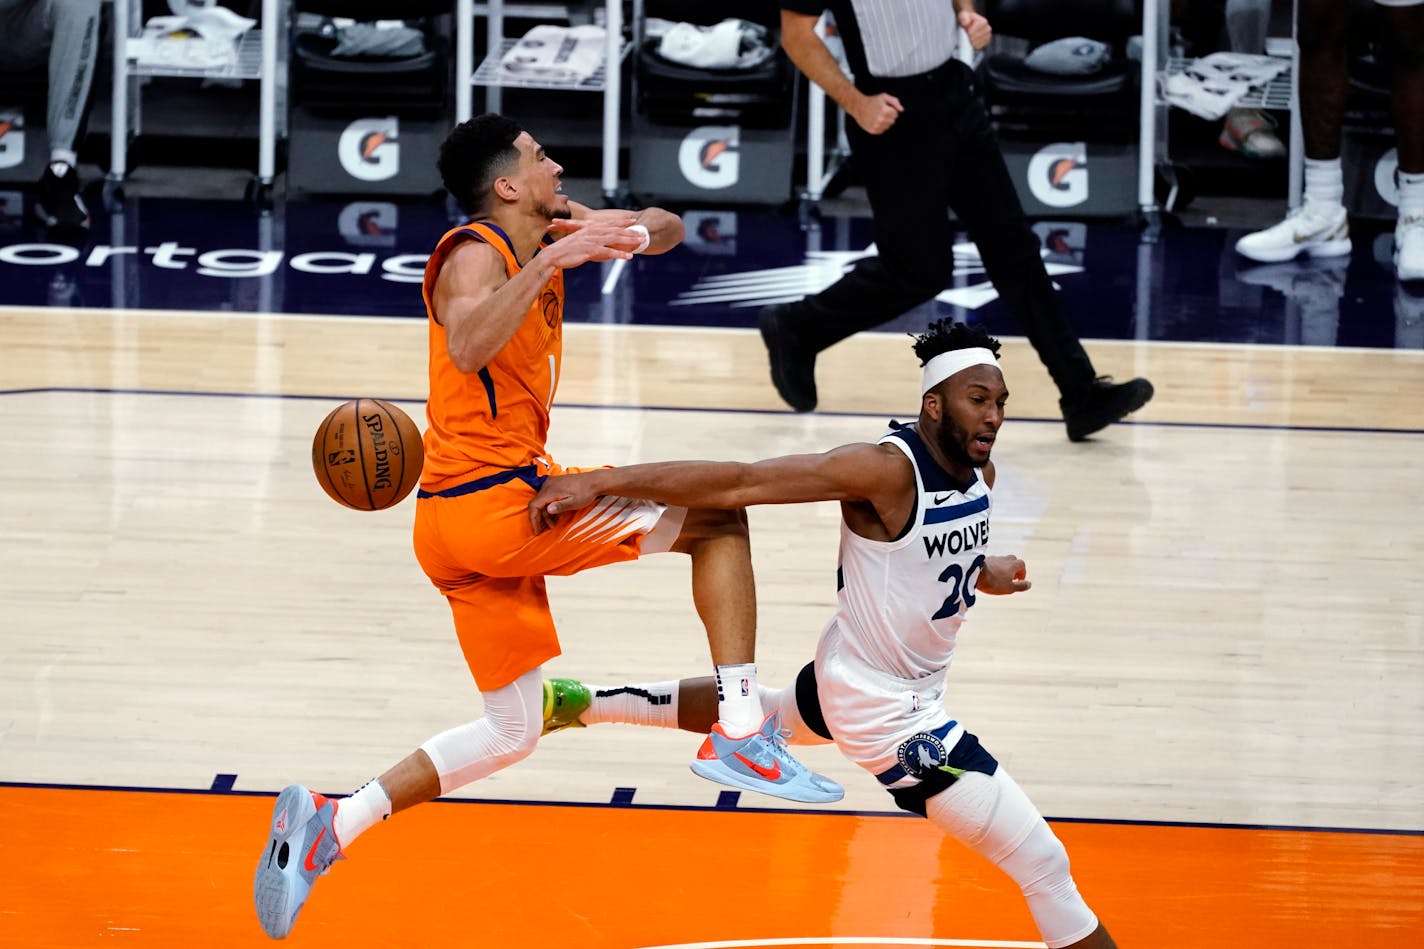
(367, 454)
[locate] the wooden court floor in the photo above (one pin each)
(1215, 689)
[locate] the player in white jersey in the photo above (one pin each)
(913, 560)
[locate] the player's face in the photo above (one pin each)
(542, 175)
(971, 412)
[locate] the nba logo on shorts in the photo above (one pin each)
(746, 686)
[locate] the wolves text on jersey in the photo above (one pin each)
(958, 540)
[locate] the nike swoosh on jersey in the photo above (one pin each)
(941, 498)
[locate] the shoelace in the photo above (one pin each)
(778, 746)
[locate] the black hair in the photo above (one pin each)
(944, 336)
(473, 155)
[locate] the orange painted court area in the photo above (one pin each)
(114, 868)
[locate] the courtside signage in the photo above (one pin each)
(231, 262)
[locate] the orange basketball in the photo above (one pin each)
(367, 454)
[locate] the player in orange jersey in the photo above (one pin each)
(494, 294)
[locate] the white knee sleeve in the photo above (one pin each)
(993, 817)
(784, 701)
(514, 717)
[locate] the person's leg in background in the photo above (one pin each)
(66, 34)
(1250, 132)
(1320, 226)
(983, 197)
(1403, 24)
(908, 201)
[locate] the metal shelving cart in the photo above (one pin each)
(256, 60)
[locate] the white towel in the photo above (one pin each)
(731, 44)
(558, 54)
(1210, 86)
(203, 38)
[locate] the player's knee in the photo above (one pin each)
(512, 738)
(1040, 863)
(707, 524)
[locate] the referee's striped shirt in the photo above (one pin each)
(889, 38)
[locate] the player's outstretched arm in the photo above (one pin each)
(857, 472)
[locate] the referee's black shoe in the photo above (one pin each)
(57, 202)
(793, 364)
(1101, 404)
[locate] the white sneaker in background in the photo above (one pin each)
(1320, 231)
(1409, 248)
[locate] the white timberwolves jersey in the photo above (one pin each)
(902, 601)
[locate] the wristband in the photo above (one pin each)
(640, 229)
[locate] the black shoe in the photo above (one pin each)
(793, 365)
(1101, 404)
(57, 202)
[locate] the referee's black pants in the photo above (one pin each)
(941, 154)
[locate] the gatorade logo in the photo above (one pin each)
(708, 157)
(12, 137)
(368, 223)
(369, 150)
(1385, 182)
(1058, 174)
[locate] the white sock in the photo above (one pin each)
(360, 812)
(647, 703)
(1411, 195)
(64, 156)
(738, 701)
(1324, 184)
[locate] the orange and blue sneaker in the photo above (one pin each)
(761, 762)
(301, 847)
(564, 701)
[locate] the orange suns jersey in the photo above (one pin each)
(498, 417)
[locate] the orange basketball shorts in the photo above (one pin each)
(476, 545)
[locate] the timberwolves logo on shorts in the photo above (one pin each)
(708, 156)
(921, 753)
(1058, 174)
(368, 149)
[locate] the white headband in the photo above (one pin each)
(947, 364)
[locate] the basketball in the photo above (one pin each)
(367, 454)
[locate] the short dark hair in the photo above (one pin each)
(473, 155)
(944, 336)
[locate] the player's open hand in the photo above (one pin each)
(1003, 575)
(558, 494)
(581, 241)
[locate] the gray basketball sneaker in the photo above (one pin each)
(302, 846)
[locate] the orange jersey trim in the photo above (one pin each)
(497, 417)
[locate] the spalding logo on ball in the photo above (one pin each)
(367, 454)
